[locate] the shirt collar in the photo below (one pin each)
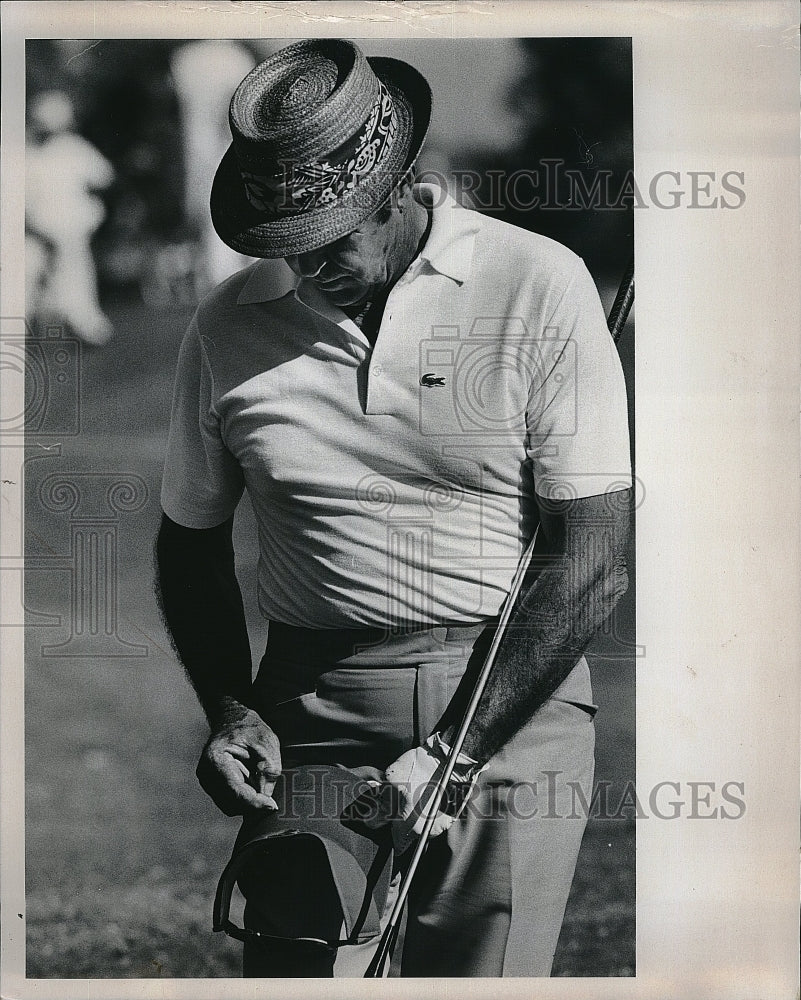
(268, 281)
(449, 247)
(448, 250)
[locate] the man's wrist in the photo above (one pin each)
(463, 777)
(470, 746)
(226, 711)
(465, 768)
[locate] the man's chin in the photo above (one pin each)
(347, 296)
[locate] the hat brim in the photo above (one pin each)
(246, 229)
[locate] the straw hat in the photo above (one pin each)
(321, 137)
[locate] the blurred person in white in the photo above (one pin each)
(205, 74)
(63, 173)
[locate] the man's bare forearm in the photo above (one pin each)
(554, 621)
(202, 607)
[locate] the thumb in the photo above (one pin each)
(442, 823)
(405, 832)
(266, 779)
(254, 799)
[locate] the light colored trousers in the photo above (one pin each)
(490, 895)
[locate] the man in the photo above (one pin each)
(436, 386)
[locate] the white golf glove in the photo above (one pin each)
(401, 799)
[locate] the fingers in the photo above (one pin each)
(406, 830)
(235, 800)
(227, 785)
(268, 768)
(378, 804)
(251, 745)
(404, 806)
(239, 767)
(248, 798)
(405, 833)
(266, 777)
(242, 767)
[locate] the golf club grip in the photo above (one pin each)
(624, 300)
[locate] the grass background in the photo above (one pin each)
(123, 850)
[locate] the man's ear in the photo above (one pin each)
(403, 193)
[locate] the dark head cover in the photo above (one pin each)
(311, 800)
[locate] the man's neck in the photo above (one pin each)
(412, 236)
(419, 230)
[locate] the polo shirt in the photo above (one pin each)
(394, 485)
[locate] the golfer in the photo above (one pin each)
(435, 387)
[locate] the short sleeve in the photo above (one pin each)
(577, 418)
(202, 482)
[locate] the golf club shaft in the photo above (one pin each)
(432, 806)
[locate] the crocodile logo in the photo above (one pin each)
(430, 379)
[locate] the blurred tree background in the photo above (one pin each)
(563, 99)
(574, 102)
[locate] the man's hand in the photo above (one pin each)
(403, 797)
(240, 763)
(412, 778)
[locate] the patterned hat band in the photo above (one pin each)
(300, 187)
(321, 137)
